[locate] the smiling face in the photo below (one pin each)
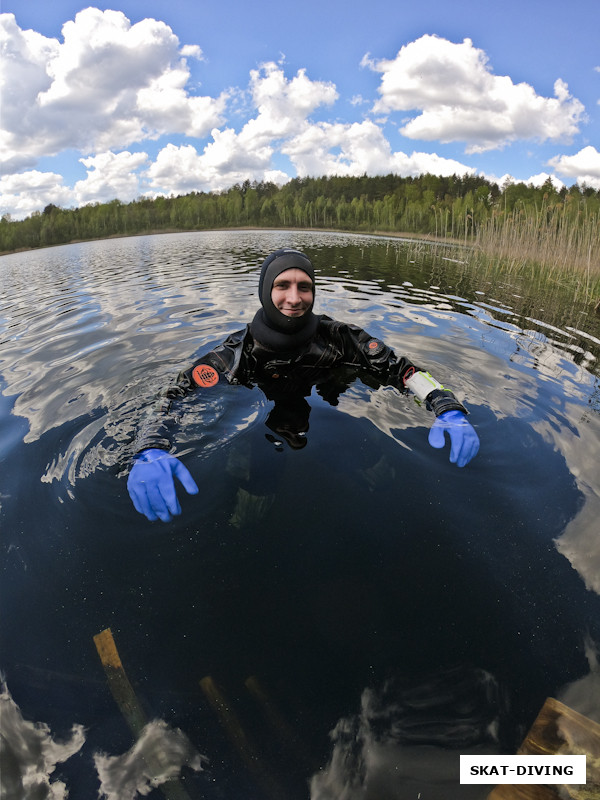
(292, 293)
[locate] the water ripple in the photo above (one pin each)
(92, 332)
(376, 559)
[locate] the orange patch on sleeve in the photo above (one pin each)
(205, 376)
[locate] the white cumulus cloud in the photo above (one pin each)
(584, 166)
(283, 105)
(224, 162)
(23, 193)
(106, 85)
(358, 148)
(460, 99)
(282, 108)
(109, 176)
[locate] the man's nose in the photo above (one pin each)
(293, 295)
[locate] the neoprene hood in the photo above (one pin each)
(272, 266)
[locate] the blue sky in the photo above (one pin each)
(128, 99)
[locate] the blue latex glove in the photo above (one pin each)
(151, 484)
(464, 442)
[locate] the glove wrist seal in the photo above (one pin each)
(441, 400)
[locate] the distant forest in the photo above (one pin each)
(455, 208)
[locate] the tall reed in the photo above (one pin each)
(561, 241)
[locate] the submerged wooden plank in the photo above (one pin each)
(130, 707)
(558, 730)
(230, 722)
(240, 739)
(524, 791)
(285, 733)
(118, 683)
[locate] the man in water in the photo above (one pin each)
(286, 350)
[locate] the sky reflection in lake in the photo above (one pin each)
(396, 613)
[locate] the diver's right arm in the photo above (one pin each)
(151, 484)
(151, 481)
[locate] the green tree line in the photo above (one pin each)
(465, 208)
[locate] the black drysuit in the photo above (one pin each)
(330, 360)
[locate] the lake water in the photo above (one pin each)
(372, 614)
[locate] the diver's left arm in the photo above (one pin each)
(380, 361)
(451, 417)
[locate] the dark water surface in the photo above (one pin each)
(372, 614)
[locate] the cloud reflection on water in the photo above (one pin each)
(141, 321)
(405, 744)
(155, 759)
(30, 755)
(405, 741)
(141, 308)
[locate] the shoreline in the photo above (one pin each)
(592, 291)
(411, 237)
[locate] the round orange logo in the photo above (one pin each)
(373, 345)
(204, 375)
